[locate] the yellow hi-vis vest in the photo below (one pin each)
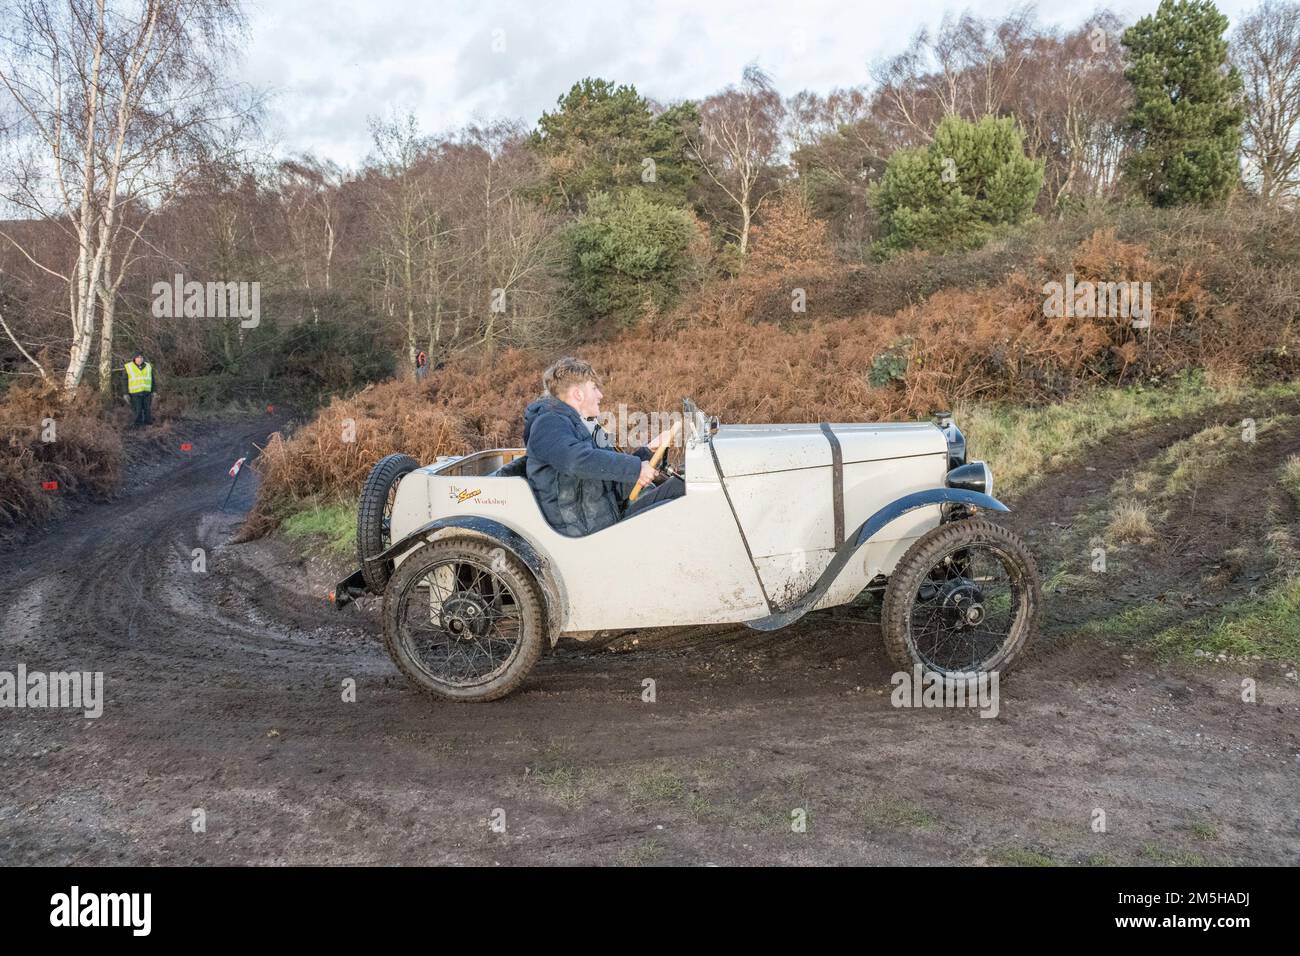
(139, 378)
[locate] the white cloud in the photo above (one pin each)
(332, 63)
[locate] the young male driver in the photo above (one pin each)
(580, 484)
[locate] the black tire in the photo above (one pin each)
(483, 597)
(373, 511)
(950, 578)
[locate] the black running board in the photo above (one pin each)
(349, 589)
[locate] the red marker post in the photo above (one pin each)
(186, 446)
(49, 486)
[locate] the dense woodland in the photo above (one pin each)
(130, 157)
(871, 253)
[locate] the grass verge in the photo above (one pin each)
(1019, 441)
(1291, 476)
(1267, 626)
(332, 525)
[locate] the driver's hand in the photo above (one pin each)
(663, 438)
(648, 475)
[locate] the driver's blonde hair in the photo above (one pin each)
(566, 372)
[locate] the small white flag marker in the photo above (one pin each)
(234, 475)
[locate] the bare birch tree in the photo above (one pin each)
(739, 144)
(1266, 49)
(116, 101)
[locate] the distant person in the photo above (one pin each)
(421, 366)
(139, 386)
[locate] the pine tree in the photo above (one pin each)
(604, 137)
(971, 180)
(1186, 120)
(624, 252)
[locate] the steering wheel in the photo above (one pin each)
(657, 458)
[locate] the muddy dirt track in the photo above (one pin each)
(224, 693)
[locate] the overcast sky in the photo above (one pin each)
(331, 63)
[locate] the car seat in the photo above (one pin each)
(515, 468)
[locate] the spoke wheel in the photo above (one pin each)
(386, 519)
(963, 600)
(375, 517)
(463, 620)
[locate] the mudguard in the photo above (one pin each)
(866, 531)
(510, 540)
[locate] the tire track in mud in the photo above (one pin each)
(191, 687)
(225, 694)
(122, 598)
(1224, 510)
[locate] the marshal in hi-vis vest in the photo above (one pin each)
(139, 378)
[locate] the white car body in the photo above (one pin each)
(694, 560)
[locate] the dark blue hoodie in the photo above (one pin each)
(580, 485)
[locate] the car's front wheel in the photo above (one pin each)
(464, 620)
(963, 600)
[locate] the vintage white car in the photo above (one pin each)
(777, 521)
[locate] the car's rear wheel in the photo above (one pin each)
(963, 600)
(374, 517)
(464, 620)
